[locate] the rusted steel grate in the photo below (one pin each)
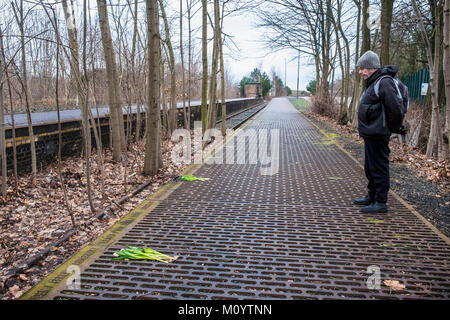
(292, 235)
(226, 276)
(282, 230)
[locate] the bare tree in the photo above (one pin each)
(344, 62)
(133, 66)
(212, 110)
(446, 63)
(54, 21)
(81, 82)
(357, 77)
(189, 17)
(386, 21)
(190, 14)
(87, 128)
(138, 71)
(171, 61)
(61, 179)
(204, 108)
(20, 19)
(96, 126)
(3, 158)
(365, 28)
(75, 62)
(222, 79)
(309, 23)
(365, 46)
(183, 76)
(153, 156)
(435, 143)
(165, 114)
(10, 95)
(117, 126)
(325, 25)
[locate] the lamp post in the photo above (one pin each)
(298, 70)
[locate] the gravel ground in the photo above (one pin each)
(426, 197)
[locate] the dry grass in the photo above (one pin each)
(325, 106)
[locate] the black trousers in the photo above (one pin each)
(376, 167)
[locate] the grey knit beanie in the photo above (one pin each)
(369, 60)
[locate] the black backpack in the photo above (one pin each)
(402, 92)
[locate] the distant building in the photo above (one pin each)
(253, 90)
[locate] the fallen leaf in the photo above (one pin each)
(15, 291)
(394, 285)
(23, 277)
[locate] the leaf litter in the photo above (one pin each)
(33, 219)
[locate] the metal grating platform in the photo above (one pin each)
(292, 235)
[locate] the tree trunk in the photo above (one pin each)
(133, 68)
(81, 82)
(18, 13)
(173, 98)
(212, 110)
(60, 142)
(115, 106)
(87, 128)
(434, 145)
(96, 126)
(204, 108)
(13, 127)
(75, 63)
(325, 22)
(425, 123)
(435, 142)
(365, 29)
(153, 156)
(165, 115)
(342, 117)
(346, 77)
(364, 47)
(386, 21)
(446, 62)
(357, 79)
(189, 7)
(183, 86)
(222, 82)
(342, 111)
(3, 158)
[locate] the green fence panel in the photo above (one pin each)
(414, 83)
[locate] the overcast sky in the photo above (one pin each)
(253, 54)
(249, 52)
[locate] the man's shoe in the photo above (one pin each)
(363, 201)
(375, 207)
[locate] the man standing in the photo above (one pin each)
(379, 114)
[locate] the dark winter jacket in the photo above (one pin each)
(372, 121)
